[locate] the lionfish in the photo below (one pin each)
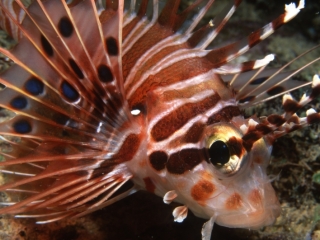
(107, 94)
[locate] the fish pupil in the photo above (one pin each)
(219, 153)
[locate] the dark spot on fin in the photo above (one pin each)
(275, 90)
(69, 91)
(247, 99)
(65, 27)
(22, 126)
(34, 86)
(105, 73)
(258, 81)
(60, 119)
(112, 46)
(46, 46)
(76, 69)
(19, 102)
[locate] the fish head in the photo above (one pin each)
(231, 182)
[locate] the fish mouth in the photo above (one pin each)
(251, 219)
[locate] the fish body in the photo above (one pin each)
(119, 92)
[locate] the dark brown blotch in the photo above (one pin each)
(185, 160)
(158, 160)
(129, 148)
(169, 124)
(250, 138)
(263, 128)
(235, 146)
(315, 92)
(276, 120)
(291, 106)
(313, 118)
(224, 115)
(194, 134)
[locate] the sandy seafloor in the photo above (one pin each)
(295, 160)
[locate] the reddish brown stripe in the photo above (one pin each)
(278, 22)
(190, 91)
(150, 187)
(169, 124)
(185, 160)
(130, 26)
(224, 115)
(193, 135)
(128, 148)
(177, 72)
(198, 36)
(153, 60)
(255, 134)
(158, 160)
(249, 139)
(219, 56)
(247, 66)
(149, 39)
(254, 38)
(168, 15)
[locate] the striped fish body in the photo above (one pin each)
(111, 96)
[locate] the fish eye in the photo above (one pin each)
(224, 149)
(219, 153)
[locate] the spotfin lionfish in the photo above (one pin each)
(104, 94)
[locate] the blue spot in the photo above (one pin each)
(34, 86)
(22, 126)
(19, 102)
(69, 92)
